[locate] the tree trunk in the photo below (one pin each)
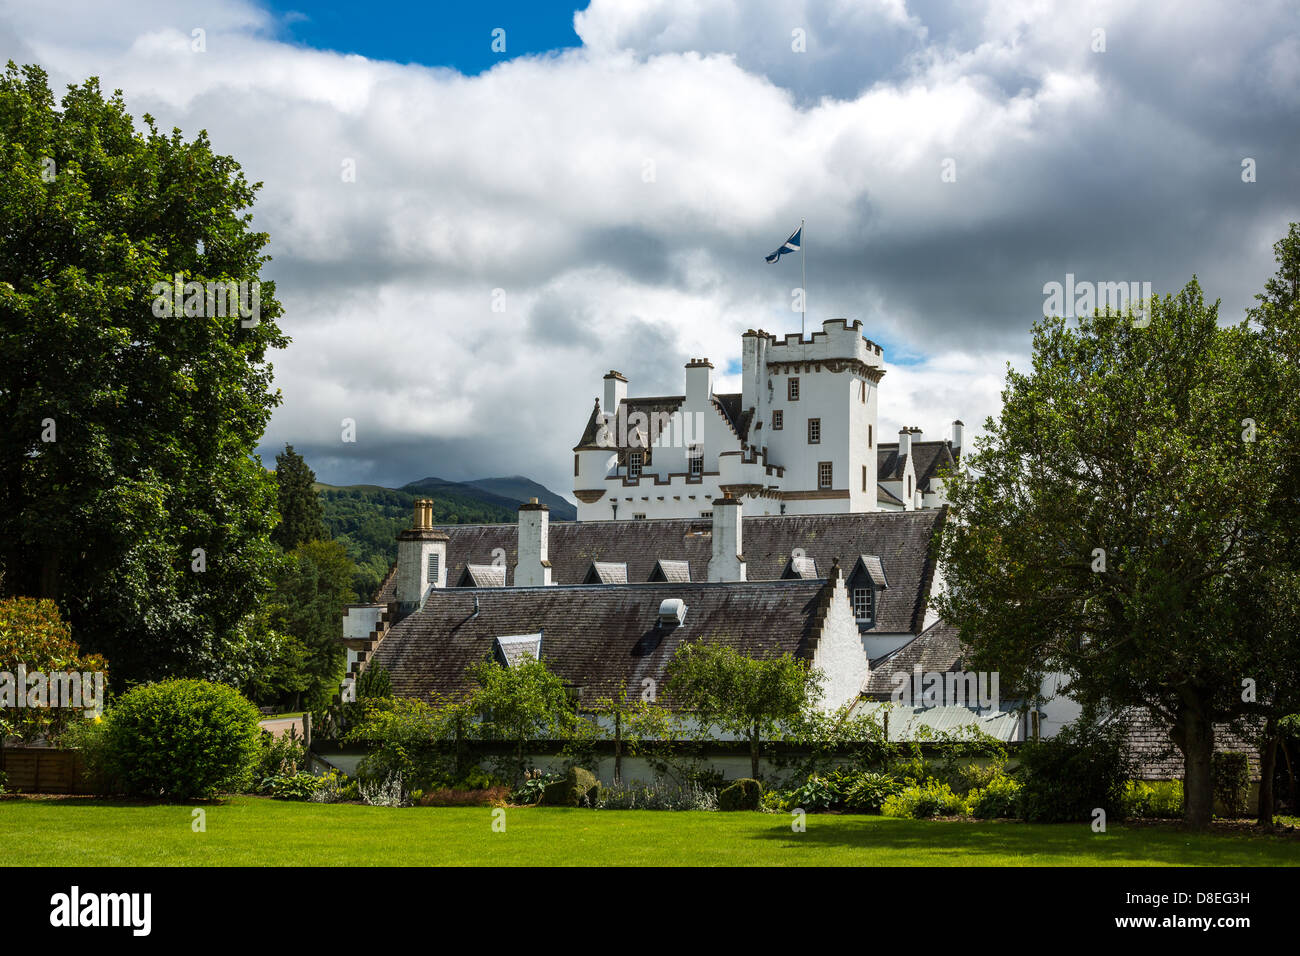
(753, 751)
(1267, 767)
(1195, 737)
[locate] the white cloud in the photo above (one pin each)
(531, 178)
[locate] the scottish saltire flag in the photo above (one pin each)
(790, 245)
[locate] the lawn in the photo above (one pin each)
(255, 831)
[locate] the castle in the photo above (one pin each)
(801, 437)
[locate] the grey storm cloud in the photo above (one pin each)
(510, 237)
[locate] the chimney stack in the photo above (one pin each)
(533, 569)
(615, 392)
(904, 442)
(958, 429)
(421, 559)
(728, 562)
(699, 382)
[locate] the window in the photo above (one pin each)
(778, 419)
(638, 517)
(634, 465)
(870, 438)
(864, 604)
(909, 486)
(814, 431)
(575, 466)
(792, 389)
(824, 474)
(433, 569)
(695, 460)
(863, 392)
(864, 477)
(706, 514)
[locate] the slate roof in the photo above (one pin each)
(883, 494)
(937, 648)
(928, 459)
(900, 539)
(482, 576)
(728, 405)
(594, 636)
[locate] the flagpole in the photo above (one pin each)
(803, 280)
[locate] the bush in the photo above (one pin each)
(1231, 781)
(387, 792)
(1066, 777)
(335, 787)
(868, 791)
(294, 786)
(1161, 800)
(578, 788)
(745, 794)
(660, 796)
(1000, 797)
(919, 801)
(815, 794)
(530, 789)
(182, 739)
(281, 756)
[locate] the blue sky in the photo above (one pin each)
(456, 35)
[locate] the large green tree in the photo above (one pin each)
(1106, 523)
(313, 584)
(127, 488)
(299, 506)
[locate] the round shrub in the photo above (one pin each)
(182, 739)
(745, 794)
(930, 799)
(868, 792)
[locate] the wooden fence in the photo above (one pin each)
(44, 770)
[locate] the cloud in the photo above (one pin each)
(617, 199)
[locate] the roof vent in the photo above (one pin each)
(672, 612)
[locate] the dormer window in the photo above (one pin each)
(864, 605)
(634, 460)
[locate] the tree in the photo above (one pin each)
(746, 696)
(519, 703)
(128, 490)
(1273, 599)
(314, 583)
(634, 720)
(1104, 526)
(34, 637)
(300, 508)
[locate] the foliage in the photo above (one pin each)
(745, 696)
(280, 756)
(744, 794)
(335, 787)
(292, 786)
(929, 799)
(518, 703)
(299, 508)
(182, 739)
(1065, 777)
(577, 788)
(34, 634)
(867, 792)
(1231, 781)
(1100, 530)
(534, 783)
(388, 791)
(662, 795)
(814, 793)
(999, 797)
(824, 740)
(312, 586)
(408, 737)
(155, 417)
(1162, 799)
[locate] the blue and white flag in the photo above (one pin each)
(790, 245)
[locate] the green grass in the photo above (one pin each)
(255, 831)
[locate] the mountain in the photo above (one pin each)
(365, 519)
(519, 489)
